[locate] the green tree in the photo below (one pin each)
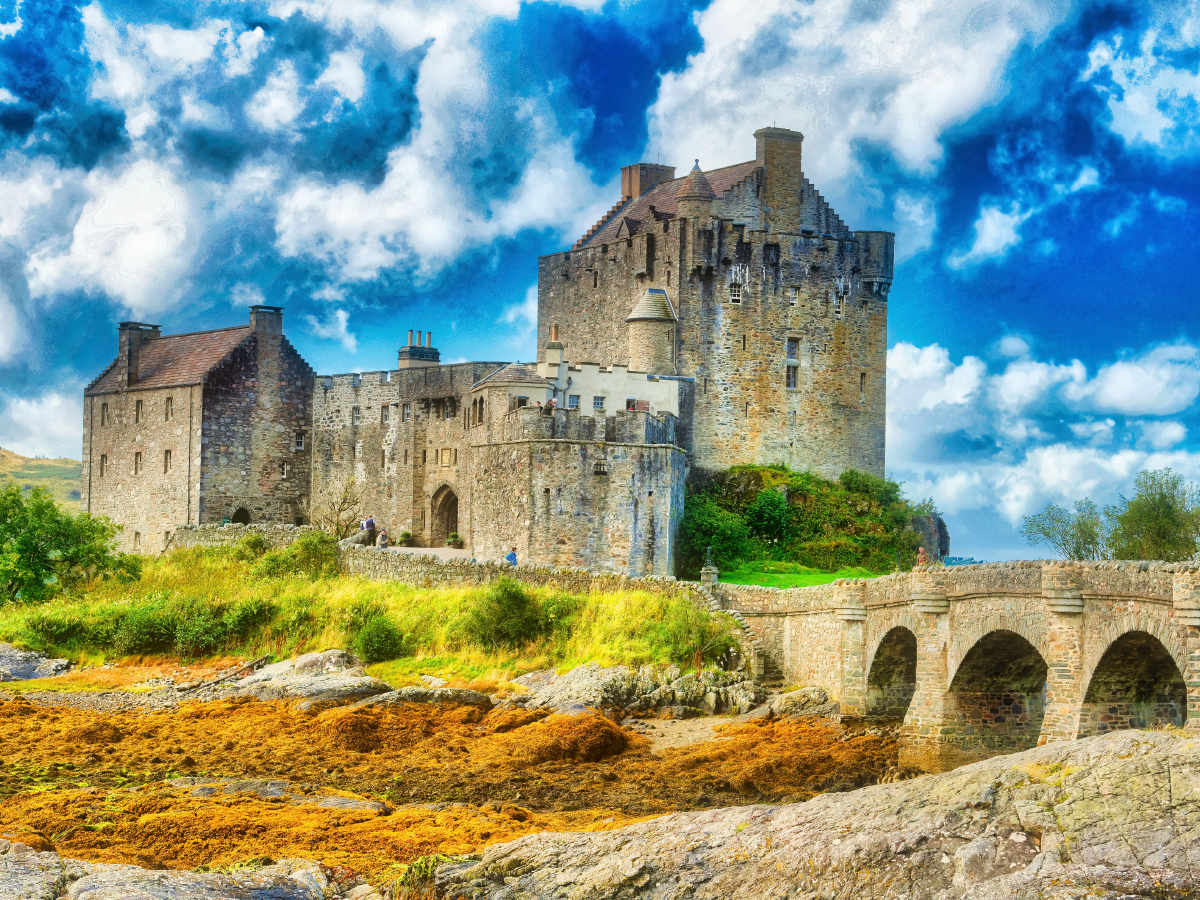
(1081, 534)
(1161, 521)
(705, 524)
(43, 549)
(769, 516)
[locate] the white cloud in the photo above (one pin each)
(1160, 382)
(345, 74)
(182, 45)
(242, 50)
(1122, 220)
(47, 425)
(996, 232)
(7, 96)
(1013, 346)
(26, 187)
(244, 294)
(916, 222)
(12, 332)
(334, 329)
(278, 103)
(8, 29)
(131, 241)
(1162, 435)
(1167, 204)
(522, 317)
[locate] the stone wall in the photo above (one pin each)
(276, 536)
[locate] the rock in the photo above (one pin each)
(810, 701)
(26, 665)
(275, 789)
(432, 681)
(317, 680)
(650, 688)
(358, 539)
(1111, 816)
(448, 696)
(537, 680)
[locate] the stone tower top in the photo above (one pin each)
(640, 177)
(695, 186)
(417, 355)
(266, 319)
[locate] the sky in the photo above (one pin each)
(375, 167)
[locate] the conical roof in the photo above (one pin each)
(654, 304)
(695, 186)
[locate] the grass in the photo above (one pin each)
(787, 575)
(201, 602)
(62, 477)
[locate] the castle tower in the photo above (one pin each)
(695, 195)
(652, 334)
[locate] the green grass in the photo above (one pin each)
(787, 575)
(211, 601)
(62, 477)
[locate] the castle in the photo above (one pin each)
(717, 319)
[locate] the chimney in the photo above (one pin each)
(410, 334)
(779, 157)
(417, 355)
(429, 339)
(554, 334)
(640, 177)
(266, 320)
(554, 351)
(129, 342)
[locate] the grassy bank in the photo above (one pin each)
(787, 575)
(202, 603)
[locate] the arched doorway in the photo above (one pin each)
(1136, 685)
(893, 676)
(998, 696)
(241, 517)
(445, 515)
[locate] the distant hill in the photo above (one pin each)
(62, 477)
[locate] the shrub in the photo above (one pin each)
(147, 628)
(251, 547)
(250, 615)
(705, 524)
(505, 615)
(454, 536)
(276, 564)
(201, 633)
(315, 554)
(379, 640)
(54, 629)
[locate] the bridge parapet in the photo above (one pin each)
(1185, 594)
(1061, 588)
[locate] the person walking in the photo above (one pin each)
(382, 541)
(511, 559)
(369, 524)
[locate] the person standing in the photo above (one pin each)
(511, 559)
(369, 524)
(382, 541)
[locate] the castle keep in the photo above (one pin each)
(707, 321)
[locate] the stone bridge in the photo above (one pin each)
(993, 658)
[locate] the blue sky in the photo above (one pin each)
(376, 167)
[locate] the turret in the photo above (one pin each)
(695, 195)
(652, 334)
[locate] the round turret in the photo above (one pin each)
(652, 334)
(694, 198)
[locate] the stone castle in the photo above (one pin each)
(717, 319)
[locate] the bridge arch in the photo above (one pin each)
(974, 620)
(1136, 683)
(996, 701)
(892, 674)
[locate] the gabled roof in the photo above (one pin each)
(663, 197)
(513, 373)
(176, 360)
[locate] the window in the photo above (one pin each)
(385, 413)
(356, 380)
(283, 471)
(743, 342)
(103, 465)
(862, 387)
(424, 457)
(137, 540)
(356, 414)
(668, 277)
(445, 457)
(103, 414)
(406, 457)
(436, 456)
(573, 401)
(328, 384)
(382, 460)
(522, 401)
(598, 403)
(137, 463)
(450, 409)
(735, 293)
(793, 348)
(630, 404)
(791, 376)
(456, 456)
(137, 411)
(595, 279)
(166, 539)
(298, 444)
(793, 296)
(169, 409)
(406, 412)
(841, 305)
(385, 377)
(166, 461)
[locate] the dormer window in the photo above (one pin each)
(735, 292)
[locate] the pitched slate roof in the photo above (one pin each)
(514, 373)
(662, 197)
(654, 304)
(175, 360)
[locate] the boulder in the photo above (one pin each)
(358, 539)
(25, 665)
(316, 680)
(1111, 816)
(647, 690)
(447, 696)
(810, 701)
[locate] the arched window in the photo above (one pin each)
(595, 279)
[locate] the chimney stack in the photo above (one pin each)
(129, 343)
(640, 177)
(429, 339)
(410, 334)
(554, 334)
(415, 354)
(266, 320)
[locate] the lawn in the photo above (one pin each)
(787, 575)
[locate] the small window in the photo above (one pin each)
(166, 539)
(424, 457)
(573, 401)
(450, 409)
(406, 412)
(436, 456)
(385, 413)
(456, 456)
(793, 296)
(137, 411)
(385, 377)
(841, 305)
(630, 404)
(793, 348)
(595, 279)
(137, 540)
(283, 471)
(791, 376)
(862, 387)
(735, 293)
(103, 465)
(169, 409)
(328, 384)
(137, 463)
(668, 277)
(357, 415)
(522, 401)
(103, 414)
(382, 460)
(406, 457)
(298, 444)
(598, 403)
(166, 461)
(600, 466)
(743, 342)
(356, 380)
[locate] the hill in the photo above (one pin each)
(62, 477)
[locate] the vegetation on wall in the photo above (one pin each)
(772, 515)
(1160, 521)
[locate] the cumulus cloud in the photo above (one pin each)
(996, 232)
(522, 319)
(278, 103)
(47, 424)
(131, 241)
(334, 328)
(12, 332)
